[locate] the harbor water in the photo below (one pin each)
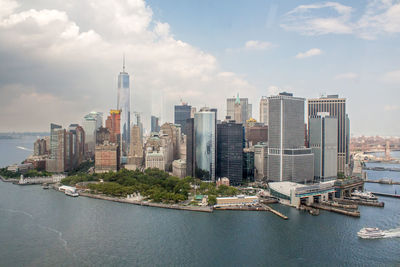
(46, 228)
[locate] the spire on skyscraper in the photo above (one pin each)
(123, 62)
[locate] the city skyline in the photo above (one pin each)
(70, 60)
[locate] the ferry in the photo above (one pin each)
(371, 233)
(364, 195)
(71, 193)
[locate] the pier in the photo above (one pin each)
(262, 207)
(383, 181)
(382, 169)
(353, 213)
(361, 202)
(386, 195)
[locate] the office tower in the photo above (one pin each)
(135, 158)
(248, 164)
(139, 124)
(102, 135)
(77, 145)
(54, 139)
(192, 112)
(182, 113)
(260, 161)
(91, 122)
(337, 108)
(155, 124)
(172, 132)
(107, 158)
(136, 146)
(59, 149)
(124, 104)
(239, 103)
(288, 159)
(230, 151)
(190, 148)
(255, 132)
(39, 147)
(113, 124)
(323, 143)
(204, 131)
(264, 110)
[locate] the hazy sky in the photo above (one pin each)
(60, 59)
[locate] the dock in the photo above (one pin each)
(386, 195)
(361, 202)
(262, 207)
(383, 181)
(353, 213)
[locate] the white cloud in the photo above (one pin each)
(347, 76)
(257, 45)
(310, 53)
(77, 61)
(392, 77)
(304, 20)
(380, 17)
(392, 107)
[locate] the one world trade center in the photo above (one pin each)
(124, 104)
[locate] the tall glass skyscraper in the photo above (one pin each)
(124, 104)
(205, 144)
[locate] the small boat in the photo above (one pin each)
(364, 195)
(45, 186)
(71, 193)
(371, 233)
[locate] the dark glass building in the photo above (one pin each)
(155, 126)
(182, 113)
(248, 165)
(190, 147)
(230, 151)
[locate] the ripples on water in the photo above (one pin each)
(46, 228)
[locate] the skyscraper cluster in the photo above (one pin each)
(280, 147)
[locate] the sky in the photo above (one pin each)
(61, 59)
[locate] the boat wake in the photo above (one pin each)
(24, 148)
(392, 233)
(18, 211)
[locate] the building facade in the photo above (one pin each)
(337, 108)
(288, 159)
(179, 168)
(113, 124)
(230, 151)
(264, 110)
(124, 105)
(155, 124)
(181, 114)
(107, 158)
(205, 144)
(323, 143)
(190, 148)
(239, 103)
(261, 161)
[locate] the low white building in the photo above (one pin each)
(155, 160)
(238, 200)
(294, 194)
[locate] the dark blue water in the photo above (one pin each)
(46, 228)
